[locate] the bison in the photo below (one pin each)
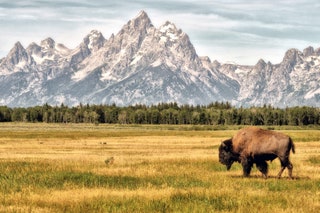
(253, 145)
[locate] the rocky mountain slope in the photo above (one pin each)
(148, 65)
(293, 82)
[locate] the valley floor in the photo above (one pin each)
(121, 168)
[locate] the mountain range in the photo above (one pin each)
(142, 64)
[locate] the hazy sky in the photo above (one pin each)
(240, 31)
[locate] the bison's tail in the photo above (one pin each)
(292, 145)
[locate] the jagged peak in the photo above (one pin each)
(170, 30)
(261, 62)
(17, 53)
(292, 54)
(33, 48)
(48, 43)
(142, 20)
(95, 34)
(292, 57)
(142, 15)
(309, 51)
(216, 63)
(205, 59)
(94, 40)
(18, 46)
(260, 65)
(167, 26)
(33, 44)
(17, 49)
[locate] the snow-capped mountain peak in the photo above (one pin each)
(140, 23)
(17, 60)
(148, 65)
(260, 65)
(47, 44)
(142, 19)
(169, 32)
(309, 51)
(292, 57)
(17, 54)
(94, 40)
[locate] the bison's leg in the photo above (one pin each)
(285, 163)
(246, 166)
(290, 167)
(263, 168)
(281, 170)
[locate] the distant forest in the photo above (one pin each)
(218, 113)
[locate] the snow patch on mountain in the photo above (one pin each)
(312, 94)
(156, 63)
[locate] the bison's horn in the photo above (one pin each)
(227, 144)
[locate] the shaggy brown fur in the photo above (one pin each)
(253, 145)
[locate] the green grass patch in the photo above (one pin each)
(314, 160)
(17, 175)
(14, 176)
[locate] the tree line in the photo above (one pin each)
(218, 113)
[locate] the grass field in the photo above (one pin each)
(65, 168)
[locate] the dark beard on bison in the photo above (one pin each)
(229, 166)
(225, 158)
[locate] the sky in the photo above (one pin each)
(230, 31)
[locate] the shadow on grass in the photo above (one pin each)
(272, 177)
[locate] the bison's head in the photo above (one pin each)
(226, 157)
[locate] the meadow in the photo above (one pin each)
(155, 168)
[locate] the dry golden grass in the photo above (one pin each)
(61, 168)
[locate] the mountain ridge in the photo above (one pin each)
(142, 64)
